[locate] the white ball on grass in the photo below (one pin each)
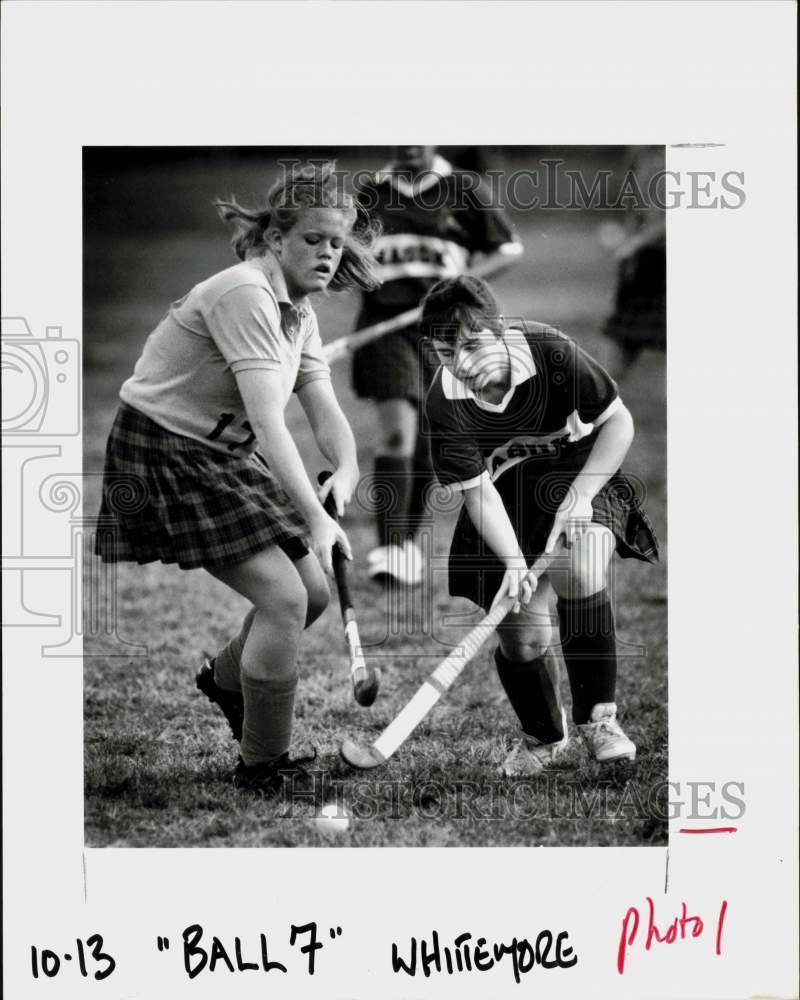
(332, 819)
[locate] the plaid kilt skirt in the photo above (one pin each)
(475, 572)
(640, 309)
(169, 497)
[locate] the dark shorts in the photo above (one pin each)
(640, 310)
(476, 572)
(170, 498)
(390, 368)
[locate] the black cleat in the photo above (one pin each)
(268, 779)
(231, 703)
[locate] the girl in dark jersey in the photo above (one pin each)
(532, 432)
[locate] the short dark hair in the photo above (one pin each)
(456, 302)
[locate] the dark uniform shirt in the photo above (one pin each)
(558, 397)
(430, 231)
(531, 445)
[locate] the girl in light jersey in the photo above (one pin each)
(218, 480)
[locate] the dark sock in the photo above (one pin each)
(421, 480)
(392, 487)
(530, 690)
(268, 717)
(228, 661)
(589, 646)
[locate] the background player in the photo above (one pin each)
(639, 319)
(435, 220)
(210, 388)
(532, 431)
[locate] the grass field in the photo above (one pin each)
(158, 759)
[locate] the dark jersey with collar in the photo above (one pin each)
(548, 422)
(428, 233)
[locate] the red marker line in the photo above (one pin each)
(710, 829)
(722, 910)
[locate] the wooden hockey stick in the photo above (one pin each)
(343, 346)
(365, 679)
(441, 680)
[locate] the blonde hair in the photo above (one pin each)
(302, 187)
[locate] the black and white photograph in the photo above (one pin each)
(399, 499)
(470, 344)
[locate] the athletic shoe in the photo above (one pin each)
(530, 756)
(604, 736)
(230, 702)
(268, 779)
(393, 564)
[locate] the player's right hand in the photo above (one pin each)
(516, 583)
(325, 533)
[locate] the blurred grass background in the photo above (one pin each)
(157, 759)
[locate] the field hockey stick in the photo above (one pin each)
(365, 679)
(441, 680)
(342, 346)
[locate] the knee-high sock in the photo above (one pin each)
(393, 479)
(422, 478)
(529, 688)
(589, 645)
(268, 717)
(228, 661)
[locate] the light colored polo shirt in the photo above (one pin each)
(239, 319)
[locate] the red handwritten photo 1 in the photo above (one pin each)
(682, 927)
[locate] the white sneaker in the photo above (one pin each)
(391, 563)
(604, 736)
(529, 756)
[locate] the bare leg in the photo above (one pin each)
(271, 583)
(228, 662)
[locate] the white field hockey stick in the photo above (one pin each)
(343, 346)
(441, 680)
(365, 679)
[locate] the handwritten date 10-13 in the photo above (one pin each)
(89, 957)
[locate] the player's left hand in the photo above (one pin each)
(572, 519)
(341, 485)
